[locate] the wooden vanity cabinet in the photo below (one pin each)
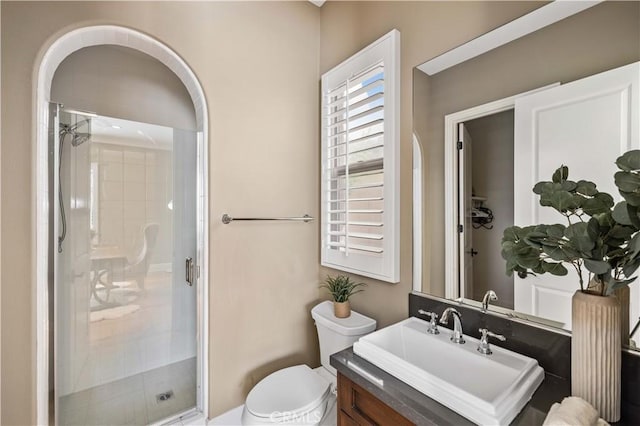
(356, 406)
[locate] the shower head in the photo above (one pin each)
(73, 128)
(80, 138)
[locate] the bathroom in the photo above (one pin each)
(259, 67)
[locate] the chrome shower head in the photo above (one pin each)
(80, 138)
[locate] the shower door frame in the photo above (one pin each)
(44, 221)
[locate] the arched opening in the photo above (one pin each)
(46, 194)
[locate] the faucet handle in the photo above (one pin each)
(433, 324)
(483, 346)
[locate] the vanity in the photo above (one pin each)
(368, 395)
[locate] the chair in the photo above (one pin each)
(137, 266)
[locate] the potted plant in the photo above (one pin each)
(601, 242)
(341, 289)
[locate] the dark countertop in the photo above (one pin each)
(422, 410)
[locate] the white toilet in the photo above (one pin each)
(299, 395)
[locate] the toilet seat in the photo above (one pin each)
(293, 393)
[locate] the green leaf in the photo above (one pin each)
(627, 181)
(593, 228)
(579, 237)
(556, 230)
(600, 203)
(621, 232)
(631, 197)
(569, 185)
(634, 245)
(542, 187)
(529, 258)
(556, 253)
(561, 174)
(618, 284)
(629, 161)
(563, 201)
(621, 213)
(634, 216)
(539, 268)
(630, 268)
(511, 233)
(554, 268)
(597, 266)
(587, 188)
(605, 220)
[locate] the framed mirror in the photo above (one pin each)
(476, 173)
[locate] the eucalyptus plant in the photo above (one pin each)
(600, 237)
(342, 287)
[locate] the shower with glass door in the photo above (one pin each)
(124, 297)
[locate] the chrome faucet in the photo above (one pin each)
(456, 335)
(483, 346)
(488, 296)
(433, 323)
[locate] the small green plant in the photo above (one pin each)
(600, 236)
(342, 287)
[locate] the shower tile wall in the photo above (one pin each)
(135, 188)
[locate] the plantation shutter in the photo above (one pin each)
(360, 155)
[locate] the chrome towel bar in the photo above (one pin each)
(226, 219)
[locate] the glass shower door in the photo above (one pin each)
(125, 289)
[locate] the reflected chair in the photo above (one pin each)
(135, 268)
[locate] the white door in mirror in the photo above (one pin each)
(584, 125)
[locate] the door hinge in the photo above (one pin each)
(459, 144)
(460, 228)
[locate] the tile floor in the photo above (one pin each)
(160, 332)
(132, 400)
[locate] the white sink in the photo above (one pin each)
(486, 389)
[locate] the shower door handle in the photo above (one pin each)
(188, 266)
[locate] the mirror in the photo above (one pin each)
(475, 100)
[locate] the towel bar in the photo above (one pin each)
(226, 219)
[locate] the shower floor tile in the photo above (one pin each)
(132, 400)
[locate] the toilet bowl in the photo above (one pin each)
(299, 395)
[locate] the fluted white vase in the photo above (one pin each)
(596, 352)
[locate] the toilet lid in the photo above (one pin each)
(286, 392)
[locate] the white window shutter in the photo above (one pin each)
(360, 221)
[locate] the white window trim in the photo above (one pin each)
(387, 268)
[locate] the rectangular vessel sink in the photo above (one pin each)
(486, 389)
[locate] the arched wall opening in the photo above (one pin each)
(111, 38)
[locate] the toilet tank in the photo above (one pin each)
(336, 334)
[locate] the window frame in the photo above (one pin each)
(386, 266)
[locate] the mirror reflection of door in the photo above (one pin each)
(466, 235)
(486, 205)
(585, 125)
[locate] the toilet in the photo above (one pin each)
(299, 395)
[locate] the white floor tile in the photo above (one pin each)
(132, 400)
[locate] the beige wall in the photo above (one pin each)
(123, 83)
(601, 38)
(427, 29)
(258, 65)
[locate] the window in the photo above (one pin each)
(360, 162)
